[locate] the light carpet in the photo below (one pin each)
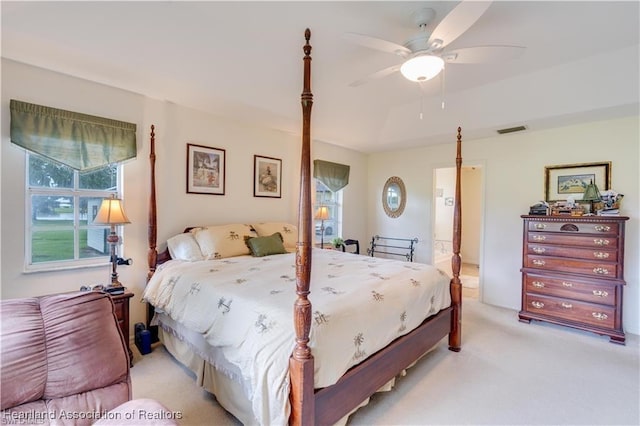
(469, 281)
(508, 373)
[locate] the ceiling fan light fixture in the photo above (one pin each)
(422, 68)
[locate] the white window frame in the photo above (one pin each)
(75, 194)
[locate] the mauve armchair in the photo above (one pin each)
(64, 362)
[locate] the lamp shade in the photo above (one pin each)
(591, 193)
(111, 212)
(422, 68)
(322, 213)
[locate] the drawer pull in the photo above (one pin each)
(539, 225)
(599, 316)
(539, 250)
(567, 284)
(601, 271)
(602, 228)
(538, 284)
(539, 237)
(601, 242)
(601, 254)
(567, 305)
(600, 293)
(537, 304)
(539, 262)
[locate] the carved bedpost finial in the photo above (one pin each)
(307, 47)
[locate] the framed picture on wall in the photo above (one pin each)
(205, 170)
(267, 177)
(570, 180)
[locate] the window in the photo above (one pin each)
(61, 205)
(333, 201)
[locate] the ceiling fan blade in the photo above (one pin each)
(377, 44)
(482, 54)
(459, 20)
(379, 74)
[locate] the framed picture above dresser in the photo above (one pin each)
(573, 272)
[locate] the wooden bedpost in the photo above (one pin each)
(301, 369)
(455, 336)
(152, 231)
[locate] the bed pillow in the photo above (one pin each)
(266, 246)
(288, 231)
(222, 241)
(184, 247)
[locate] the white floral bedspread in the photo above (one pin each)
(244, 305)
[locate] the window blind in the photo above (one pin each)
(335, 176)
(80, 141)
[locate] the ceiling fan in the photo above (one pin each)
(425, 54)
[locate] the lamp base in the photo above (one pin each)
(115, 290)
(115, 283)
(115, 287)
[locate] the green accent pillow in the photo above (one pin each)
(265, 246)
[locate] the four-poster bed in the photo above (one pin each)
(313, 396)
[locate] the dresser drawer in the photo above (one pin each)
(595, 315)
(568, 251)
(595, 241)
(570, 288)
(598, 269)
(601, 228)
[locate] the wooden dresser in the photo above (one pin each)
(572, 272)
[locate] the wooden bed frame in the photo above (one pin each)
(326, 406)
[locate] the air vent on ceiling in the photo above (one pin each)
(511, 130)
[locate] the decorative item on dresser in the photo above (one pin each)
(572, 272)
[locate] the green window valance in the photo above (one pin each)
(80, 141)
(335, 176)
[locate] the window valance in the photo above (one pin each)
(335, 176)
(80, 141)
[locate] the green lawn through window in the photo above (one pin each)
(56, 245)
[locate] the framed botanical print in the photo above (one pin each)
(267, 177)
(571, 180)
(205, 170)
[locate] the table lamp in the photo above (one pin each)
(591, 194)
(111, 213)
(322, 214)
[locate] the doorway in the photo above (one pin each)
(443, 197)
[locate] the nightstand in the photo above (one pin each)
(121, 305)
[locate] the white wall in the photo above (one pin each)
(175, 126)
(514, 179)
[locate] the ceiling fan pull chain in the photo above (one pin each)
(442, 86)
(421, 100)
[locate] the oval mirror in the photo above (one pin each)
(394, 196)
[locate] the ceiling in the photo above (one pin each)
(243, 60)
